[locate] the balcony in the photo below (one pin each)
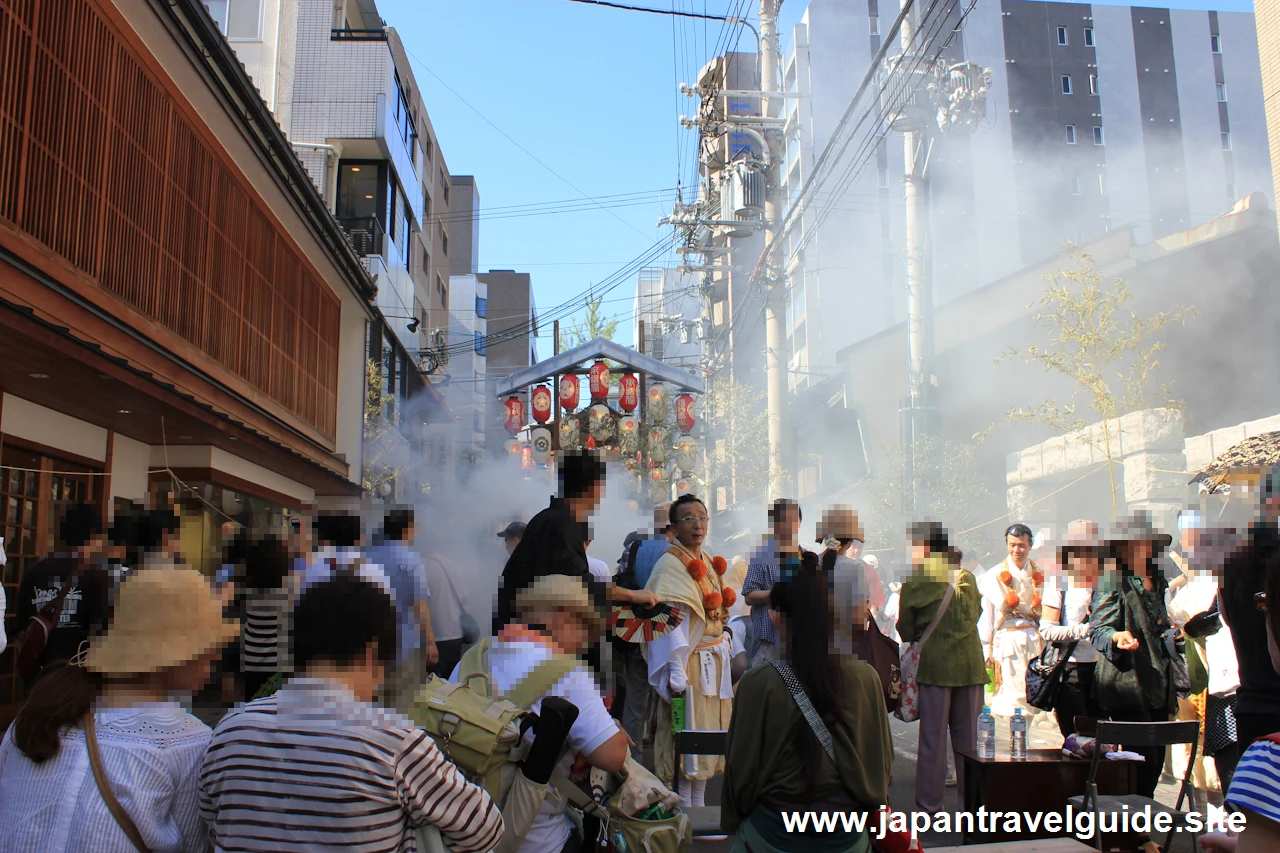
(357, 35)
(365, 234)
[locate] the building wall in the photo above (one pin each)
(1267, 13)
(511, 310)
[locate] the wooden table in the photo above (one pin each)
(1042, 783)
(1038, 845)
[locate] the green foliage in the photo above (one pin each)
(383, 443)
(1106, 350)
(591, 325)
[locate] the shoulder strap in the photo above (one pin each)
(807, 710)
(541, 679)
(937, 617)
(474, 665)
(122, 818)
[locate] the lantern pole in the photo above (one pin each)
(555, 394)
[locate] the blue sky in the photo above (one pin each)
(587, 96)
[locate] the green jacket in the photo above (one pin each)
(761, 759)
(953, 655)
(1139, 681)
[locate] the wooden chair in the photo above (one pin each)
(1143, 734)
(705, 819)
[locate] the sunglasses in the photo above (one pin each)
(1260, 601)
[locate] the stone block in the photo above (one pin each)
(1150, 430)
(1199, 451)
(1013, 468)
(1078, 452)
(1032, 464)
(1053, 454)
(1155, 477)
(1226, 438)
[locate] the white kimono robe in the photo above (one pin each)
(1011, 641)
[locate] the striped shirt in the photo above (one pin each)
(264, 639)
(312, 768)
(1256, 783)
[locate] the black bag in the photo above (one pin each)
(1046, 671)
(874, 648)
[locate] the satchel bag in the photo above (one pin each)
(874, 648)
(1046, 670)
(121, 816)
(35, 637)
(908, 709)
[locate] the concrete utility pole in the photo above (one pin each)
(918, 415)
(775, 311)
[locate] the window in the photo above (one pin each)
(1093, 84)
(482, 308)
(1071, 134)
(1220, 89)
(1062, 35)
(1215, 43)
(481, 344)
(875, 25)
(239, 20)
(426, 261)
(1226, 140)
(444, 242)
(1231, 192)
(1088, 36)
(404, 121)
(1097, 135)
(882, 174)
(440, 286)
(1066, 84)
(444, 187)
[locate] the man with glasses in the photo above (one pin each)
(764, 570)
(1010, 631)
(692, 661)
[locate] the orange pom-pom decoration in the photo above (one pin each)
(1037, 577)
(712, 601)
(720, 565)
(730, 597)
(1035, 602)
(1006, 578)
(697, 569)
(1011, 599)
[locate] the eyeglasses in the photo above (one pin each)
(694, 519)
(1260, 601)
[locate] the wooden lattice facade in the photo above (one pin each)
(102, 164)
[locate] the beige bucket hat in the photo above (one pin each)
(163, 618)
(839, 522)
(561, 592)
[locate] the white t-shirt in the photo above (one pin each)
(320, 567)
(511, 661)
(600, 569)
(448, 599)
(1076, 612)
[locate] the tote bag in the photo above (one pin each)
(908, 709)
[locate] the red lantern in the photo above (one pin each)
(599, 375)
(515, 414)
(628, 392)
(684, 412)
(541, 402)
(569, 392)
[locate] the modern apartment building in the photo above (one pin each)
(1098, 117)
(1267, 20)
(511, 317)
(669, 303)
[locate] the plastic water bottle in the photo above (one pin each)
(986, 733)
(1018, 735)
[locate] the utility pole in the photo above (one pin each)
(918, 415)
(775, 311)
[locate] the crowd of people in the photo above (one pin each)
(326, 645)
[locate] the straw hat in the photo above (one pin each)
(162, 618)
(561, 592)
(839, 522)
(1138, 528)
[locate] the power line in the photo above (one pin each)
(673, 12)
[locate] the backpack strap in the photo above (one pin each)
(541, 679)
(474, 666)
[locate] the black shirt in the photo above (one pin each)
(553, 544)
(1244, 574)
(84, 610)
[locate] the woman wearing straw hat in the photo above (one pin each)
(102, 757)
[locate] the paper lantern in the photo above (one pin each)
(515, 414)
(600, 424)
(684, 412)
(540, 402)
(599, 376)
(511, 446)
(686, 453)
(628, 434)
(628, 392)
(658, 444)
(569, 431)
(540, 442)
(569, 392)
(658, 405)
(526, 458)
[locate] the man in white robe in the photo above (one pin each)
(1010, 634)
